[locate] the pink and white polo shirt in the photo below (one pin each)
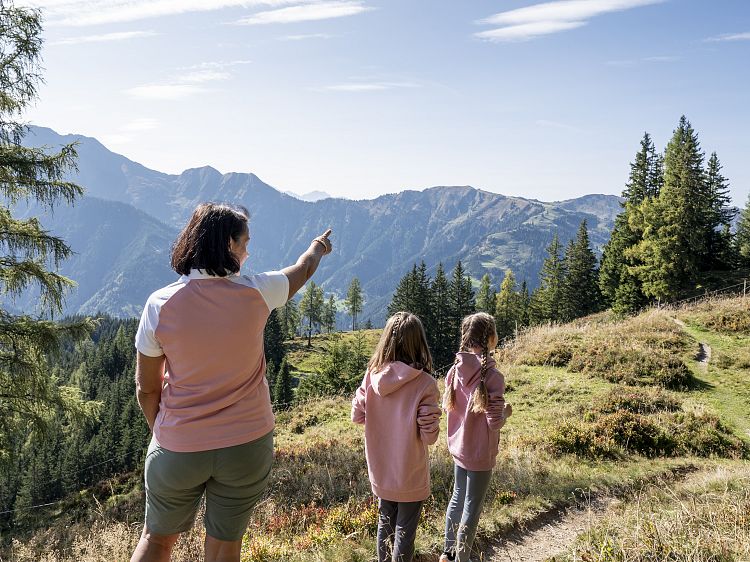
(215, 393)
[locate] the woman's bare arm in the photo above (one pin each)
(149, 377)
(307, 263)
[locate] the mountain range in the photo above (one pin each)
(122, 229)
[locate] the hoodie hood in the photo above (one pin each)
(393, 377)
(469, 367)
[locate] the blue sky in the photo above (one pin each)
(363, 97)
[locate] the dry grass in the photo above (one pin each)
(649, 349)
(706, 519)
(723, 315)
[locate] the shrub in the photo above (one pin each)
(636, 400)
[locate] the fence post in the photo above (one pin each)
(744, 288)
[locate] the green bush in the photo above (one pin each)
(633, 366)
(636, 400)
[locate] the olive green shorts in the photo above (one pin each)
(233, 479)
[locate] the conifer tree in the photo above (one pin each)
(422, 306)
(460, 300)
(620, 288)
(29, 396)
(405, 296)
(329, 314)
(673, 246)
(508, 309)
(354, 300)
(311, 308)
(440, 337)
(547, 299)
(283, 394)
(486, 295)
(719, 216)
(580, 294)
(290, 319)
(742, 236)
(273, 339)
(524, 318)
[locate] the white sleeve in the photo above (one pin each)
(274, 286)
(145, 337)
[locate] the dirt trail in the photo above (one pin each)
(703, 357)
(551, 534)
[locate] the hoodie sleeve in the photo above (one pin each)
(358, 402)
(496, 399)
(428, 414)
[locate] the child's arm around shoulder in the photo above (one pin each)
(358, 402)
(496, 412)
(428, 412)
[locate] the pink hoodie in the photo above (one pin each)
(399, 407)
(473, 438)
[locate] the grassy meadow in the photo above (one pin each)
(604, 405)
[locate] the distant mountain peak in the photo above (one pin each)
(310, 196)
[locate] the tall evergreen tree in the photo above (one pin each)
(508, 307)
(290, 319)
(460, 300)
(273, 339)
(422, 306)
(580, 294)
(405, 296)
(719, 216)
(440, 337)
(524, 318)
(742, 236)
(283, 395)
(547, 300)
(673, 246)
(619, 286)
(311, 308)
(329, 314)
(486, 295)
(29, 396)
(354, 300)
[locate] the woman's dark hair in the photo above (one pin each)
(204, 242)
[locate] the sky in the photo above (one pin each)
(358, 98)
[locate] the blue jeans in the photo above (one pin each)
(461, 519)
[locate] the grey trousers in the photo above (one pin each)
(464, 509)
(397, 529)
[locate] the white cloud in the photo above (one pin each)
(304, 36)
(306, 12)
(533, 21)
(667, 58)
(558, 125)
(96, 12)
(164, 91)
(525, 31)
(106, 37)
(729, 37)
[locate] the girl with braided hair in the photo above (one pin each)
(474, 400)
(398, 403)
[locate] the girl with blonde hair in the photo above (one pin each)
(475, 402)
(398, 403)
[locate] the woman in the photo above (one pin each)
(200, 379)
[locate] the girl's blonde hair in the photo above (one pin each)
(404, 340)
(476, 331)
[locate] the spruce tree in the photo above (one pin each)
(440, 337)
(719, 216)
(29, 395)
(580, 294)
(742, 236)
(273, 338)
(673, 247)
(289, 316)
(524, 317)
(354, 300)
(547, 299)
(311, 308)
(508, 307)
(405, 296)
(460, 300)
(422, 306)
(486, 295)
(619, 287)
(329, 314)
(282, 390)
